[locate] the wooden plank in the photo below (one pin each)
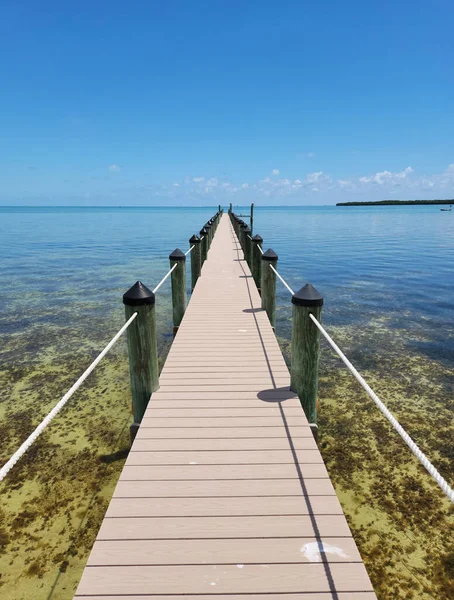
(265, 443)
(259, 368)
(268, 395)
(227, 579)
(253, 404)
(269, 421)
(213, 380)
(251, 376)
(221, 432)
(218, 472)
(297, 596)
(226, 488)
(231, 457)
(219, 411)
(226, 551)
(143, 528)
(238, 506)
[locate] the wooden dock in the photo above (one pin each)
(224, 494)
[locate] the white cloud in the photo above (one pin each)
(114, 168)
(386, 177)
(382, 184)
(310, 155)
(314, 177)
(275, 172)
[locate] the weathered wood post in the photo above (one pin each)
(179, 296)
(306, 350)
(208, 228)
(252, 217)
(268, 285)
(247, 245)
(196, 259)
(256, 258)
(243, 226)
(204, 239)
(142, 350)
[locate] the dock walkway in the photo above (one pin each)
(224, 494)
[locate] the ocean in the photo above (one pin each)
(387, 277)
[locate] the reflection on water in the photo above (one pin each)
(387, 277)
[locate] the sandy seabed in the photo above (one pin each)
(55, 498)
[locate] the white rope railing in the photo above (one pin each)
(283, 280)
(257, 244)
(443, 484)
(190, 250)
(164, 278)
(387, 413)
(57, 408)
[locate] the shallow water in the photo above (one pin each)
(387, 277)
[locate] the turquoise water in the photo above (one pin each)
(396, 262)
(387, 276)
(68, 267)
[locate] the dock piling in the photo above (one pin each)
(242, 227)
(142, 349)
(196, 259)
(247, 245)
(268, 285)
(179, 296)
(204, 249)
(306, 350)
(256, 260)
(209, 234)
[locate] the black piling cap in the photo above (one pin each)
(257, 238)
(248, 231)
(307, 296)
(269, 255)
(194, 239)
(207, 225)
(243, 224)
(177, 254)
(138, 295)
(203, 231)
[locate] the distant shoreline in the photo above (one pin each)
(395, 202)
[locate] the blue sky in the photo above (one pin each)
(206, 101)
